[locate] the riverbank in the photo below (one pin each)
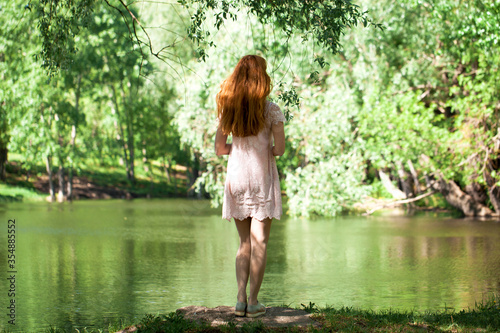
(111, 183)
(484, 317)
(96, 183)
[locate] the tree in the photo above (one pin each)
(16, 72)
(428, 92)
(324, 21)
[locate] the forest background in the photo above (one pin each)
(402, 108)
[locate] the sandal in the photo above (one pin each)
(255, 310)
(240, 309)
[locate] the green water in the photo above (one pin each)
(89, 263)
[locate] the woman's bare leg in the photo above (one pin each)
(259, 236)
(243, 258)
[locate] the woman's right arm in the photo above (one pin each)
(279, 138)
(221, 145)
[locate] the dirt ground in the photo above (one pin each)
(222, 315)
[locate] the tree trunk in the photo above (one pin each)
(493, 190)
(414, 176)
(69, 195)
(151, 182)
(428, 181)
(166, 168)
(194, 174)
(125, 152)
(174, 175)
(60, 177)
(131, 174)
(202, 166)
(459, 199)
(130, 132)
(69, 191)
(403, 178)
(119, 128)
(389, 186)
(131, 148)
(3, 162)
(4, 140)
(494, 195)
(51, 183)
(476, 192)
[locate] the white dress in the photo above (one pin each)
(252, 187)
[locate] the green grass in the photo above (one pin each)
(17, 188)
(10, 193)
(114, 177)
(484, 317)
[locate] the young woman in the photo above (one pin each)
(252, 194)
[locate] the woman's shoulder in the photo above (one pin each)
(273, 112)
(271, 106)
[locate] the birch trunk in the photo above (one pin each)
(389, 186)
(51, 183)
(69, 194)
(414, 176)
(60, 177)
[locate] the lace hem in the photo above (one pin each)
(257, 216)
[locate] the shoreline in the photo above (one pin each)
(113, 184)
(90, 185)
(484, 317)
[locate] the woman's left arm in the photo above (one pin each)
(221, 145)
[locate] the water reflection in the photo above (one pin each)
(405, 263)
(89, 263)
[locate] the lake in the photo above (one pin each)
(89, 263)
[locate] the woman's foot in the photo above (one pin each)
(255, 310)
(240, 309)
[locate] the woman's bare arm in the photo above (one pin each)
(279, 138)
(221, 145)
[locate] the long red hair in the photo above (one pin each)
(242, 97)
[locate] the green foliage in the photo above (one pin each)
(59, 22)
(92, 112)
(325, 188)
(427, 88)
(423, 90)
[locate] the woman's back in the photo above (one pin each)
(252, 182)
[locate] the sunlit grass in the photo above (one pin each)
(9, 193)
(155, 184)
(484, 317)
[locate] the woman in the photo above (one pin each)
(252, 194)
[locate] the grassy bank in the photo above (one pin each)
(12, 193)
(484, 317)
(94, 182)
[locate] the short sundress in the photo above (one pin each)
(252, 187)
